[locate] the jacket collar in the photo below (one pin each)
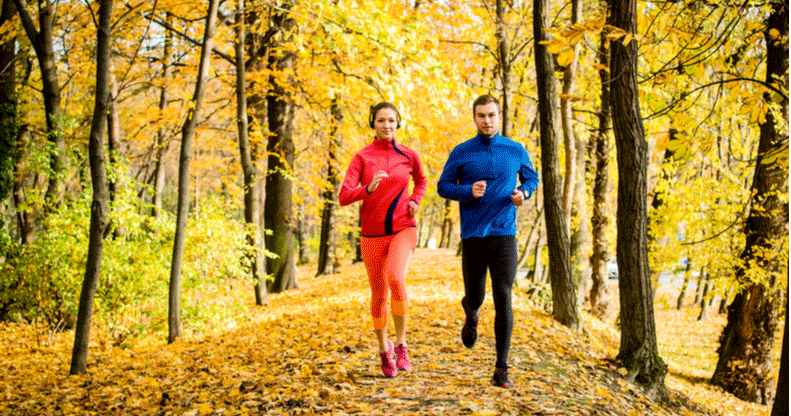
(383, 144)
(488, 141)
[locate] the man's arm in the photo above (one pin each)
(447, 185)
(527, 176)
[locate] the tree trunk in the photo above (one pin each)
(601, 306)
(564, 299)
(566, 122)
(251, 175)
(447, 226)
(114, 146)
(187, 132)
(580, 242)
(99, 206)
(745, 349)
(780, 406)
(9, 128)
(724, 301)
(504, 68)
(358, 250)
(278, 210)
(24, 216)
(430, 232)
(161, 143)
(531, 236)
(683, 294)
(42, 41)
(638, 351)
(328, 240)
(704, 302)
(302, 234)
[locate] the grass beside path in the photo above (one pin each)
(312, 351)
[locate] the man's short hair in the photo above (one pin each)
(483, 100)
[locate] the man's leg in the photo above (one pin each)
(474, 266)
(503, 272)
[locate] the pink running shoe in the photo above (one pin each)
(402, 358)
(388, 366)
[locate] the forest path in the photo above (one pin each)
(312, 351)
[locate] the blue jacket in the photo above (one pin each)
(497, 160)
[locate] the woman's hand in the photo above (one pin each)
(412, 208)
(378, 176)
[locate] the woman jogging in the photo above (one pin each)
(379, 176)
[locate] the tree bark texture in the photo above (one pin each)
(564, 299)
(99, 206)
(638, 350)
(250, 173)
(601, 305)
(780, 406)
(161, 143)
(704, 301)
(567, 125)
(745, 350)
(42, 42)
(187, 133)
(504, 68)
(328, 239)
(9, 128)
(685, 285)
(114, 144)
(25, 218)
(278, 210)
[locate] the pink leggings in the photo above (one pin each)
(386, 261)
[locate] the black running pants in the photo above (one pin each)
(498, 255)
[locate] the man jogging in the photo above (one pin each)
(481, 174)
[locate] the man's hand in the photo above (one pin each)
(478, 188)
(412, 208)
(378, 176)
(517, 197)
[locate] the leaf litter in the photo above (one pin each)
(312, 351)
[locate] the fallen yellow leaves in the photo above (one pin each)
(312, 351)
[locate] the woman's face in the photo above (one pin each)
(385, 124)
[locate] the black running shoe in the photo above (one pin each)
(469, 333)
(500, 378)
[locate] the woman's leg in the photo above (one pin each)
(398, 257)
(374, 250)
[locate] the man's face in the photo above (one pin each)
(488, 119)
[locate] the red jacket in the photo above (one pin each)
(386, 210)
